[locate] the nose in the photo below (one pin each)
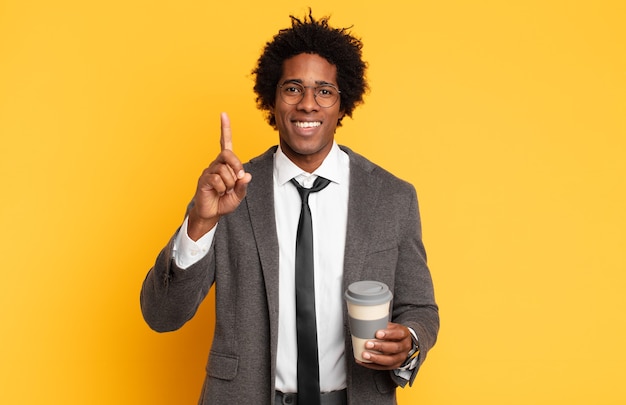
(308, 102)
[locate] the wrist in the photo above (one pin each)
(198, 226)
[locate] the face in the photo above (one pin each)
(307, 130)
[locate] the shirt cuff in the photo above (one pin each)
(404, 374)
(187, 252)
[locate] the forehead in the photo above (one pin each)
(309, 68)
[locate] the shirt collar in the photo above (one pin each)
(335, 167)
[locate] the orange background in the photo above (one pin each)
(509, 118)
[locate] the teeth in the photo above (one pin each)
(304, 124)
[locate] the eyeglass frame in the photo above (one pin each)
(294, 82)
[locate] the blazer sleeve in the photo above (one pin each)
(170, 296)
(414, 300)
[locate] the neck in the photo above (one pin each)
(309, 161)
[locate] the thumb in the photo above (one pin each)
(241, 186)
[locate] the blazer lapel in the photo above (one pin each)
(260, 202)
(364, 190)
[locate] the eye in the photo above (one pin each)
(292, 89)
(326, 91)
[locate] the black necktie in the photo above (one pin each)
(308, 363)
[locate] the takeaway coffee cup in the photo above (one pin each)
(368, 310)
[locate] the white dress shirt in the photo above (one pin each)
(329, 211)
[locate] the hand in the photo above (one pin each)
(221, 187)
(393, 345)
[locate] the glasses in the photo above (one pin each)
(325, 95)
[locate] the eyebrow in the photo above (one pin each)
(317, 82)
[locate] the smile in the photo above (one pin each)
(307, 124)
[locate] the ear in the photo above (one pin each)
(341, 115)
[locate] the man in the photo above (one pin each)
(240, 236)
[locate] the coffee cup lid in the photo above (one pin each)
(368, 292)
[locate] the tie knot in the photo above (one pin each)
(319, 184)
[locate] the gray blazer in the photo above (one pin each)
(383, 243)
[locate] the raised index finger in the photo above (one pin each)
(226, 138)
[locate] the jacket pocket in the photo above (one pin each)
(383, 257)
(222, 366)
